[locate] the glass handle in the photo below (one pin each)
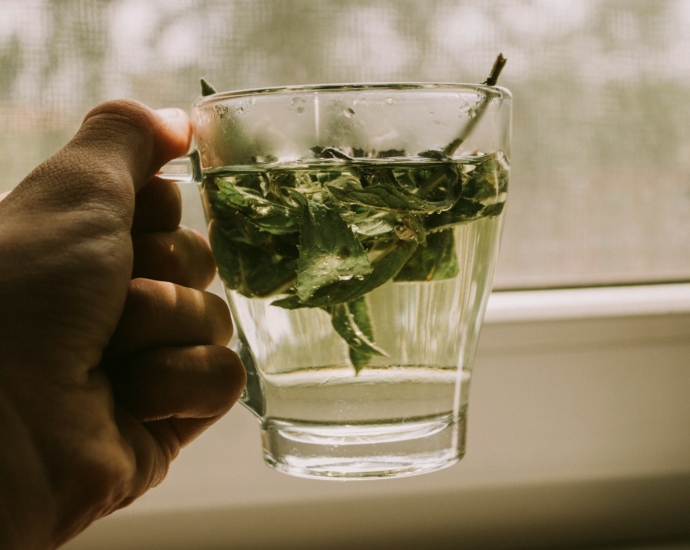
(182, 169)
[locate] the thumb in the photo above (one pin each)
(119, 147)
(134, 138)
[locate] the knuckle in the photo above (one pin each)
(124, 119)
(123, 111)
(119, 125)
(167, 313)
(106, 479)
(150, 300)
(180, 256)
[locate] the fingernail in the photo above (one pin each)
(176, 119)
(170, 112)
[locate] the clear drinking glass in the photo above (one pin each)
(356, 229)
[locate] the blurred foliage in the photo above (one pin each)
(601, 153)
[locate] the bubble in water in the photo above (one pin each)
(389, 101)
(300, 110)
(344, 277)
(404, 233)
(349, 113)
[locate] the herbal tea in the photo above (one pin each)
(323, 235)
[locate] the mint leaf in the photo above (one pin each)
(487, 181)
(253, 271)
(384, 266)
(433, 261)
(385, 197)
(463, 211)
(329, 251)
(324, 235)
(483, 194)
(352, 322)
(263, 213)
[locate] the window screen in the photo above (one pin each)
(600, 191)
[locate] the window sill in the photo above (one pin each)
(587, 303)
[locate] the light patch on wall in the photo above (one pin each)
(177, 46)
(369, 34)
(542, 19)
(132, 26)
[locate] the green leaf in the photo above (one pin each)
(493, 210)
(328, 234)
(385, 266)
(437, 260)
(411, 227)
(386, 197)
(330, 153)
(482, 195)
(253, 271)
(487, 181)
(371, 223)
(388, 153)
(352, 322)
(441, 185)
(463, 211)
(206, 88)
(437, 154)
(263, 213)
(329, 251)
(419, 188)
(359, 359)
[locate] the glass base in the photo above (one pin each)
(363, 451)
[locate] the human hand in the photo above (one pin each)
(112, 357)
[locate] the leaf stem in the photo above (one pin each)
(206, 88)
(478, 110)
(496, 70)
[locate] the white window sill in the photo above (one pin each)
(587, 303)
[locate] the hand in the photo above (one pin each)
(112, 357)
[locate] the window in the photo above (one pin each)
(600, 192)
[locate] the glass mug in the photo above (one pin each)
(356, 230)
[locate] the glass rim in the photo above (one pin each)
(495, 91)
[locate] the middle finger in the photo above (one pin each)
(164, 314)
(182, 257)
